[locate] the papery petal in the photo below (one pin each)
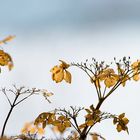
(67, 76)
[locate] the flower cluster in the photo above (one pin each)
(59, 72)
(47, 118)
(5, 58)
(106, 79)
(121, 122)
(30, 128)
(62, 123)
(108, 76)
(136, 70)
(92, 117)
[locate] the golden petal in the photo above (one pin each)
(67, 76)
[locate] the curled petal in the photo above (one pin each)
(7, 39)
(63, 64)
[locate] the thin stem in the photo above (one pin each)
(23, 99)
(85, 68)
(77, 128)
(6, 120)
(17, 92)
(114, 88)
(104, 91)
(8, 115)
(12, 91)
(3, 90)
(81, 66)
(97, 90)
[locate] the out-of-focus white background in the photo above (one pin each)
(47, 31)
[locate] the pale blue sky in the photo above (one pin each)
(34, 15)
(74, 30)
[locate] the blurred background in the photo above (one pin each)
(74, 31)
